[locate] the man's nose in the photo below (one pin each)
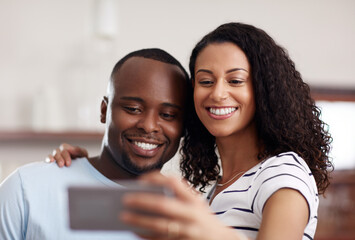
(149, 122)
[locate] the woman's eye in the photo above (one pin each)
(205, 82)
(235, 81)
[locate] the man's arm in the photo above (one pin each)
(12, 210)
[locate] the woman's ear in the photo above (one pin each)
(104, 104)
(193, 82)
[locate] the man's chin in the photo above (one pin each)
(139, 170)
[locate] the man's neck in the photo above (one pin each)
(107, 166)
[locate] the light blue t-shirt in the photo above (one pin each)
(34, 204)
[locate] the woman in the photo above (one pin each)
(252, 104)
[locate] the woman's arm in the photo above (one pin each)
(185, 216)
(64, 154)
(285, 216)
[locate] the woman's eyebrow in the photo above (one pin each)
(228, 71)
(236, 69)
(204, 70)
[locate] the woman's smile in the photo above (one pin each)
(220, 113)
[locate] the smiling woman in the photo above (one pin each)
(223, 89)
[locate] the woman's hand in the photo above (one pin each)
(64, 154)
(185, 216)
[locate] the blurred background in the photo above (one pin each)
(56, 57)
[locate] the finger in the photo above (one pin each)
(66, 157)
(74, 151)
(156, 227)
(169, 207)
(179, 186)
(49, 159)
(58, 157)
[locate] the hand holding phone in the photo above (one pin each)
(98, 208)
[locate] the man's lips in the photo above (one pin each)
(145, 147)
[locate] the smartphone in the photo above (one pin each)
(98, 208)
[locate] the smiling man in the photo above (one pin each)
(144, 116)
(143, 113)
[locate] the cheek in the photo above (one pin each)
(199, 96)
(123, 120)
(173, 131)
(249, 103)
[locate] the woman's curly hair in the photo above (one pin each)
(286, 116)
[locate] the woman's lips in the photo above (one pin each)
(220, 113)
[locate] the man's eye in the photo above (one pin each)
(132, 109)
(168, 116)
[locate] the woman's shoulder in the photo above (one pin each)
(289, 160)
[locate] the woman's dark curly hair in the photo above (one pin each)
(286, 116)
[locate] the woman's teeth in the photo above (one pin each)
(222, 111)
(146, 146)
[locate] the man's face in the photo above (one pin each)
(144, 117)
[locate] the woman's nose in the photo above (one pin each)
(219, 91)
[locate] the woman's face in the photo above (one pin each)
(223, 89)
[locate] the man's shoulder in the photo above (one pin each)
(35, 166)
(42, 171)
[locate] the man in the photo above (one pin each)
(143, 113)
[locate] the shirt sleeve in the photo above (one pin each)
(287, 171)
(12, 208)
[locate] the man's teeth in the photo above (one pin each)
(222, 111)
(146, 146)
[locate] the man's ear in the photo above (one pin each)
(104, 104)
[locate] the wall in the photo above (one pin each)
(56, 56)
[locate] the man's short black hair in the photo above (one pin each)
(151, 53)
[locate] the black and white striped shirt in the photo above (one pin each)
(240, 205)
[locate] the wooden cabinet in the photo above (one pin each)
(336, 214)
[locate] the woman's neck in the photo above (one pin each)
(238, 152)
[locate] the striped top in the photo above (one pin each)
(240, 205)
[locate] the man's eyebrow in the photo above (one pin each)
(138, 99)
(132, 98)
(172, 105)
